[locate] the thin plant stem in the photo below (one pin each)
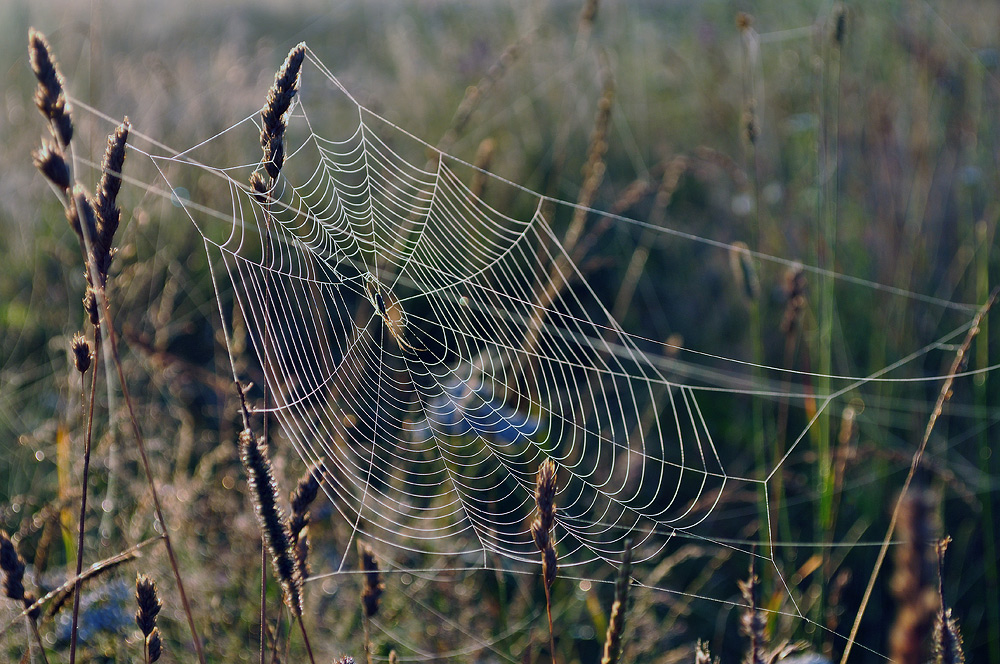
(38, 639)
(943, 396)
(104, 305)
(137, 432)
(83, 501)
(552, 634)
(305, 639)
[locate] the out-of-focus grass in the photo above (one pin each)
(913, 187)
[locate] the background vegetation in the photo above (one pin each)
(875, 156)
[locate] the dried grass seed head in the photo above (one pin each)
(947, 640)
(81, 352)
(154, 646)
(545, 493)
(148, 600)
(752, 621)
(264, 493)
(12, 566)
(106, 201)
(50, 96)
(549, 565)
(259, 187)
(90, 306)
(50, 160)
(82, 211)
(273, 115)
(372, 592)
(308, 487)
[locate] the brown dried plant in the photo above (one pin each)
(541, 527)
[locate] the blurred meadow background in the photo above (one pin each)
(862, 139)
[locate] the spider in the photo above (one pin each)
(392, 315)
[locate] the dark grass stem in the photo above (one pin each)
(85, 481)
(943, 396)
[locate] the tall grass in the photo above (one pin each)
(881, 190)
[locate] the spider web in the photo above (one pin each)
(432, 348)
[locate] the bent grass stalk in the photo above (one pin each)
(943, 396)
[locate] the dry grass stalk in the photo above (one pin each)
(484, 158)
(106, 201)
(51, 101)
(63, 594)
(561, 270)
(371, 593)
(298, 523)
(273, 115)
(149, 605)
(943, 396)
(752, 622)
(541, 527)
(148, 600)
(795, 300)
(616, 625)
(593, 170)
(669, 181)
(912, 583)
(476, 93)
(264, 493)
(947, 637)
(82, 355)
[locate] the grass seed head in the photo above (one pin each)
(264, 493)
(154, 646)
(148, 600)
(50, 160)
(279, 99)
(81, 352)
(50, 96)
(372, 592)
